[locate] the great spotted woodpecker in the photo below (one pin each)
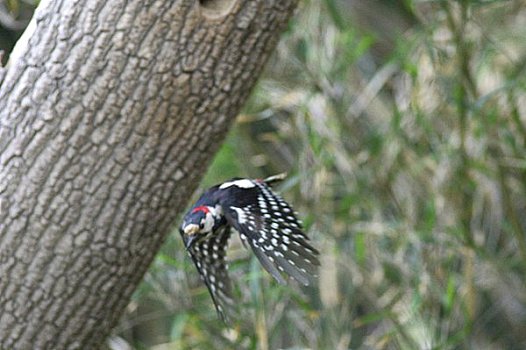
(265, 222)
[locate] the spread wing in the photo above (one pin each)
(268, 224)
(208, 256)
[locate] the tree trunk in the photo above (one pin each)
(110, 112)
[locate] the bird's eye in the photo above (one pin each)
(201, 225)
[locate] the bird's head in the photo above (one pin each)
(197, 224)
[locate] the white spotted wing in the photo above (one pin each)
(268, 224)
(208, 256)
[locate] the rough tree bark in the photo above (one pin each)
(109, 114)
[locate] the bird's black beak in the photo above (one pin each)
(189, 240)
(190, 235)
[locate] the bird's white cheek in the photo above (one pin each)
(209, 223)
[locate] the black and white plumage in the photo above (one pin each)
(264, 221)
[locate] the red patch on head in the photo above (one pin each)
(201, 208)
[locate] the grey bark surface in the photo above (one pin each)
(109, 115)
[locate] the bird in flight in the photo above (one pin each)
(265, 222)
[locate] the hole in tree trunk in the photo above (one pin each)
(216, 8)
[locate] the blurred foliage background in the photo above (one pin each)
(402, 125)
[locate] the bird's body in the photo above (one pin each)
(264, 221)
